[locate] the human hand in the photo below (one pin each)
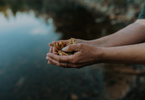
(54, 50)
(65, 42)
(85, 55)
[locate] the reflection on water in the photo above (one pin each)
(26, 28)
(25, 73)
(17, 34)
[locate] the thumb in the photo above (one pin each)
(72, 47)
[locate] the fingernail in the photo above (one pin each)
(47, 57)
(63, 49)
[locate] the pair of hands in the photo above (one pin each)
(86, 54)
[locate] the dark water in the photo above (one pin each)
(26, 28)
(24, 72)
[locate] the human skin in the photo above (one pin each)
(124, 46)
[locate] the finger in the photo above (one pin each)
(49, 62)
(73, 47)
(50, 44)
(54, 50)
(51, 49)
(65, 59)
(68, 65)
(56, 62)
(64, 65)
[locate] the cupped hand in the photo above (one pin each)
(54, 50)
(85, 55)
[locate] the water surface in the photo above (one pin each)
(24, 72)
(26, 28)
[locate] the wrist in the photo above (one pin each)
(97, 42)
(100, 54)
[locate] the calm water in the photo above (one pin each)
(27, 27)
(24, 72)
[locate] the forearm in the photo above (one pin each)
(132, 34)
(124, 54)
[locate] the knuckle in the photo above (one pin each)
(74, 61)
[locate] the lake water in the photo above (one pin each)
(24, 72)
(25, 32)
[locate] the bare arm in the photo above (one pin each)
(124, 54)
(120, 47)
(132, 34)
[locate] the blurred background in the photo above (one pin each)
(26, 28)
